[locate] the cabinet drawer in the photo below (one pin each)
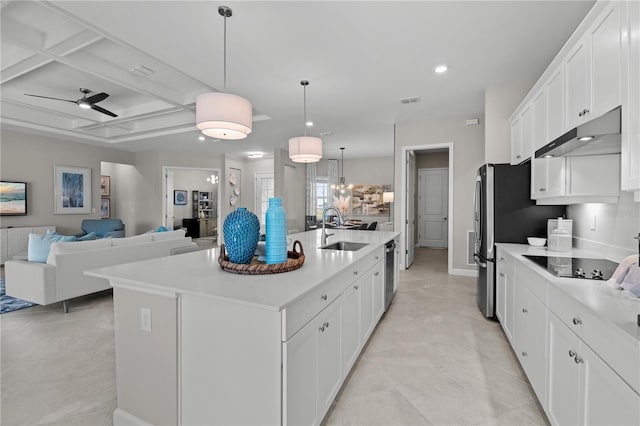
(620, 351)
(534, 281)
(505, 262)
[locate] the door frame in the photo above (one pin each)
(167, 198)
(403, 205)
(425, 170)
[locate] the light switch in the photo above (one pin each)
(145, 319)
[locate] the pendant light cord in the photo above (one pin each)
(305, 110)
(224, 85)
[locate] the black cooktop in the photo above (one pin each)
(576, 267)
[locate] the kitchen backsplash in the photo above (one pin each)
(607, 227)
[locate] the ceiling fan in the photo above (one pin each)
(85, 102)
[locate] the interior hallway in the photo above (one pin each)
(433, 359)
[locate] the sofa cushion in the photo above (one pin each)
(72, 247)
(39, 245)
(168, 235)
(102, 227)
(138, 239)
(87, 237)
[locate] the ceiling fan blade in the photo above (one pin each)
(49, 97)
(94, 99)
(102, 110)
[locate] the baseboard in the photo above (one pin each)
(124, 418)
(463, 272)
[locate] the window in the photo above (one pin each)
(322, 195)
(264, 191)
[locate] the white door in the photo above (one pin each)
(168, 201)
(410, 208)
(433, 209)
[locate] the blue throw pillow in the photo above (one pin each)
(87, 237)
(38, 249)
(161, 229)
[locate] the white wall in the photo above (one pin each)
(289, 184)
(251, 167)
(468, 156)
(30, 158)
(616, 224)
(123, 194)
(499, 104)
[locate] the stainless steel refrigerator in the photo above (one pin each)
(504, 213)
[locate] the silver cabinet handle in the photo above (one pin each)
(524, 353)
(355, 272)
(356, 287)
(501, 259)
(577, 321)
(323, 297)
(518, 157)
(326, 324)
(578, 359)
(377, 257)
(571, 353)
(376, 274)
(525, 310)
(501, 274)
(321, 328)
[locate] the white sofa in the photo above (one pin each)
(62, 277)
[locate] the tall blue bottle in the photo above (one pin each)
(276, 232)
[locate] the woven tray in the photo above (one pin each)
(295, 259)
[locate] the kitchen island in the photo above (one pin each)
(197, 345)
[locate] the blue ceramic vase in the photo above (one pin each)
(241, 233)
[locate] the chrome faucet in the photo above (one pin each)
(323, 239)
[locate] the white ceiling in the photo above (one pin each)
(361, 58)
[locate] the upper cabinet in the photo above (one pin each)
(631, 99)
(577, 87)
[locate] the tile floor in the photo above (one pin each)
(433, 359)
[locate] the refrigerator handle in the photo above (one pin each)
(479, 261)
(477, 196)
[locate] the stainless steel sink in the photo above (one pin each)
(344, 246)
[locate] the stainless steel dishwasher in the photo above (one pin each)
(389, 272)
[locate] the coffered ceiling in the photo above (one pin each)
(361, 59)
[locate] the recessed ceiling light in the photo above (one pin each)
(585, 138)
(441, 68)
(548, 156)
(255, 155)
(200, 138)
(309, 123)
(326, 134)
(412, 100)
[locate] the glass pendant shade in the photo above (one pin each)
(305, 149)
(223, 115)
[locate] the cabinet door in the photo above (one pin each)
(530, 337)
(606, 56)
(538, 178)
(516, 141)
(329, 357)
(555, 186)
(577, 86)
(300, 376)
(563, 374)
(350, 324)
(631, 138)
(608, 400)
(554, 90)
(526, 145)
(378, 291)
(366, 305)
(539, 123)
(501, 297)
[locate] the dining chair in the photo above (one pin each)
(372, 226)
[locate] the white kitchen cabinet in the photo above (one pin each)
(555, 105)
(577, 85)
(351, 337)
(516, 141)
(539, 132)
(630, 156)
(329, 370)
(504, 292)
(526, 146)
(378, 291)
(530, 336)
(548, 177)
(583, 389)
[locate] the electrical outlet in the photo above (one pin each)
(145, 319)
(593, 223)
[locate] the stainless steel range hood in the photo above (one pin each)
(596, 137)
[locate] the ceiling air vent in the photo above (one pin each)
(141, 70)
(410, 100)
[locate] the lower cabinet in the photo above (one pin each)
(582, 387)
(504, 293)
(329, 356)
(529, 335)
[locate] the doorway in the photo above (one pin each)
(411, 163)
(433, 207)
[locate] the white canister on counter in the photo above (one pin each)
(559, 240)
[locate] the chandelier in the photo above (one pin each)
(342, 186)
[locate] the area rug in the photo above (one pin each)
(10, 304)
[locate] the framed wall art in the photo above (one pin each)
(71, 190)
(180, 197)
(105, 208)
(105, 186)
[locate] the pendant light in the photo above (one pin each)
(342, 186)
(222, 115)
(305, 149)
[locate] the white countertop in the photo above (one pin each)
(600, 297)
(199, 273)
